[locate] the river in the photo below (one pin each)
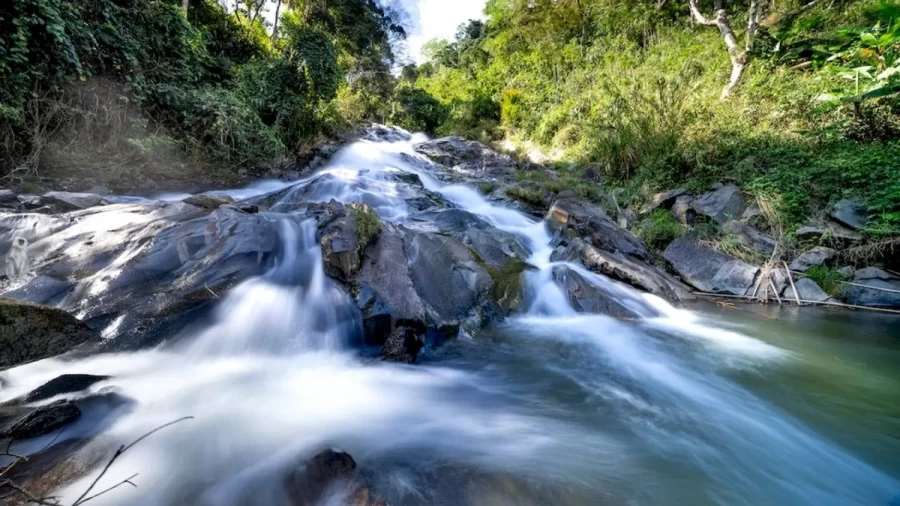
(702, 405)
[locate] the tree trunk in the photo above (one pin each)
(738, 56)
(275, 25)
(752, 24)
(185, 4)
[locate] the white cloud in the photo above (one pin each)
(438, 19)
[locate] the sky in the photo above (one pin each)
(437, 19)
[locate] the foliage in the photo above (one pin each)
(828, 278)
(659, 229)
(368, 225)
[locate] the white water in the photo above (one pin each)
(271, 381)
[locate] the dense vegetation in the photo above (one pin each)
(632, 93)
(119, 83)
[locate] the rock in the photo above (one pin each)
(307, 484)
(721, 205)
(663, 200)
(67, 383)
(207, 201)
(386, 293)
(470, 160)
(100, 190)
(835, 231)
(70, 201)
(30, 201)
(621, 268)
(8, 197)
(871, 295)
(709, 270)
(30, 332)
(807, 290)
(846, 271)
(402, 346)
(340, 248)
(626, 218)
(44, 420)
(41, 290)
(751, 238)
(682, 210)
(589, 298)
(850, 213)
(816, 256)
(589, 220)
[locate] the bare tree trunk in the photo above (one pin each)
(275, 25)
(185, 4)
(738, 56)
(752, 24)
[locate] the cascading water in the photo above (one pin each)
(551, 407)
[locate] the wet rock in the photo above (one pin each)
(30, 202)
(67, 383)
(807, 290)
(751, 238)
(588, 298)
(469, 160)
(874, 293)
(721, 205)
(663, 200)
(850, 213)
(307, 485)
(41, 290)
(581, 218)
(44, 420)
(69, 201)
(682, 210)
(816, 256)
(624, 269)
(30, 332)
(207, 201)
(340, 248)
(709, 270)
(403, 345)
(8, 198)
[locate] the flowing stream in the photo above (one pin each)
(694, 406)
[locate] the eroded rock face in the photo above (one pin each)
(44, 420)
(709, 270)
(873, 294)
(588, 220)
(30, 332)
(721, 205)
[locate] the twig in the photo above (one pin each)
(823, 303)
(210, 291)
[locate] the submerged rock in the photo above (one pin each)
(403, 345)
(816, 256)
(721, 205)
(30, 332)
(709, 270)
(881, 289)
(308, 484)
(67, 383)
(44, 420)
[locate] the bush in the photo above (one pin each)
(418, 111)
(659, 229)
(368, 225)
(828, 278)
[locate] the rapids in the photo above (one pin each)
(696, 407)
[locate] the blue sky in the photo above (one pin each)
(437, 19)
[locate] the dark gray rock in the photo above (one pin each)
(710, 270)
(846, 271)
(403, 345)
(721, 205)
(8, 197)
(469, 160)
(833, 230)
(816, 256)
(67, 383)
(807, 290)
(850, 213)
(751, 238)
(70, 201)
(586, 297)
(341, 248)
(682, 210)
(584, 219)
(41, 290)
(624, 269)
(874, 293)
(208, 201)
(308, 483)
(663, 200)
(44, 420)
(30, 332)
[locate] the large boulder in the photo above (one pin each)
(583, 219)
(751, 238)
(850, 213)
(709, 270)
(44, 420)
(469, 160)
(30, 332)
(70, 201)
(873, 287)
(341, 248)
(587, 297)
(621, 268)
(807, 291)
(723, 204)
(816, 256)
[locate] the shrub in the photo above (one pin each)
(659, 229)
(828, 278)
(368, 225)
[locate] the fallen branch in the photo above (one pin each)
(821, 303)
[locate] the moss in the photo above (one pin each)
(508, 283)
(368, 225)
(529, 195)
(486, 188)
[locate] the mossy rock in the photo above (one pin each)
(30, 332)
(507, 289)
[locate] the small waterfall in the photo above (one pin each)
(293, 307)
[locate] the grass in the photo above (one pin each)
(534, 196)
(368, 225)
(659, 229)
(828, 278)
